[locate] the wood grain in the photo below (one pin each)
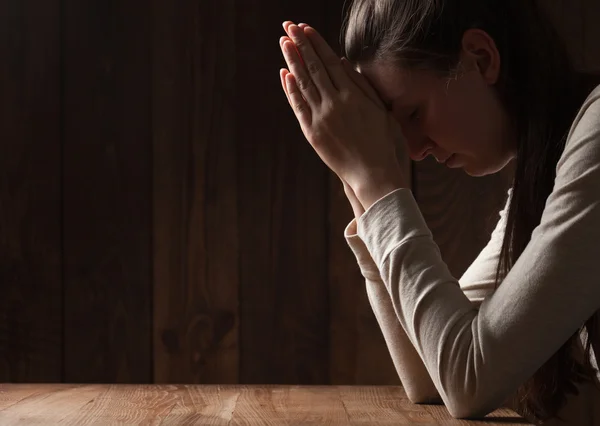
(196, 253)
(358, 353)
(213, 405)
(289, 405)
(225, 405)
(126, 404)
(58, 405)
(107, 200)
(20, 392)
(283, 192)
(357, 350)
(591, 35)
(383, 406)
(568, 18)
(30, 191)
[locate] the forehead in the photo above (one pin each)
(390, 81)
(395, 83)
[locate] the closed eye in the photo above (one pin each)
(414, 115)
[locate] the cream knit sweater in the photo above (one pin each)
(459, 339)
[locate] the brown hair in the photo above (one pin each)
(536, 87)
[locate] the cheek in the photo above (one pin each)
(449, 123)
(464, 121)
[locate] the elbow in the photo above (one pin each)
(468, 408)
(460, 406)
(422, 395)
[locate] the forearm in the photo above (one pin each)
(410, 368)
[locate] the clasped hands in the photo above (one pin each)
(341, 116)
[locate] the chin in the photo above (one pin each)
(476, 172)
(480, 171)
(484, 170)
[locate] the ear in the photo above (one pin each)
(479, 49)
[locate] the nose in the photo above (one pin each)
(419, 148)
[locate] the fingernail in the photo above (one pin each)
(302, 25)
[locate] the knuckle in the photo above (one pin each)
(300, 108)
(304, 84)
(300, 44)
(313, 67)
(329, 113)
(332, 62)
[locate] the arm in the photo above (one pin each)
(478, 358)
(477, 283)
(409, 366)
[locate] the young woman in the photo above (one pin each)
(476, 84)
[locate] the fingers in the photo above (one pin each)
(282, 73)
(303, 80)
(315, 67)
(329, 58)
(299, 105)
(363, 83)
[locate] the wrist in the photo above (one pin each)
(374, 188)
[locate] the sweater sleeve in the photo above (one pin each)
(477, 283)
(479, 280)
(408, 364)
(477, 358)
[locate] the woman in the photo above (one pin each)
(476, 84)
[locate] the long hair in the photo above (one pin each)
(539, 89)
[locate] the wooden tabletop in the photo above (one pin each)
(221, 405)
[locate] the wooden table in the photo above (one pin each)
(221, 405)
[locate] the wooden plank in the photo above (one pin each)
(231, 405)
(30, 191)
(16, 393)
(460, 210)
(275, 406)
(382, 406)
(591, 35)
(128, 405)
(358, 354)
(357, 351)
(51, 407)
(283, 192)
(206, 405)
(568, 16)
(195, 228)
(500, 416)
(107, 199)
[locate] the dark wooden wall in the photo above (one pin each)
(162, 218)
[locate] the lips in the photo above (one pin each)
(447, 159)
(453, 162)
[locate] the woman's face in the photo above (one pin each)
(459, 120)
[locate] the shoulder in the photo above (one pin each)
(588, 117)
(582, 149)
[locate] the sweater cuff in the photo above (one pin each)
(390, 222)
(367, 266)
